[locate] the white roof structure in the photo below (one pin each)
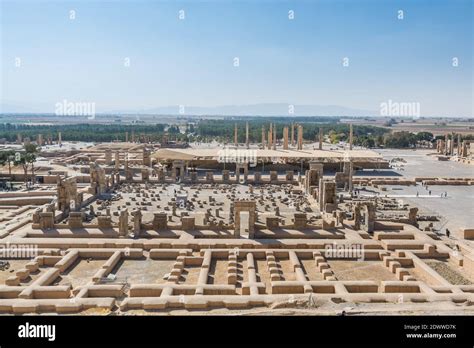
(190, 154)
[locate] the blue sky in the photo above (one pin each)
(190, 61)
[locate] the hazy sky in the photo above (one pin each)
(191, 61)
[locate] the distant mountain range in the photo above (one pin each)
(23, 108)
(268, 109)
(264, 109)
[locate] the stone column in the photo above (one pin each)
(313, 175)
(252, 220)
(369, 217)
(98, 179)
(146, 158)
(340, 216)
(350, 136)
(137, 221)
(292, 134)
(128, 171)
(36, 216)
(300, 137)
(263, 137)
(274, 136)
(327, 196)
(123, 222)
(273, 176)
(62, 196)
(257, 177)
(161, 175)
(351, 172)
(270, 137)
(440, 147)
(236, 224)
(225, 175)
(356, 216)
(458, 151)
(209, 177)
(235, 136)
(320, 138)
(464, 148)
(59, 138)
(117, 161)
(247, 135)
(285, 138)
(412, 216)
(451, 145)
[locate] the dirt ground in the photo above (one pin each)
(144, 271)
(81, 272)
(448, 272)
(309, 267)
(355, 270)
(218, 272)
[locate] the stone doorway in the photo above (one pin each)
(244, 206)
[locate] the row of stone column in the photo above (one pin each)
(236, 138)
(447, 146)
(40, 140)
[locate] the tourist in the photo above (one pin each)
(447, 233)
